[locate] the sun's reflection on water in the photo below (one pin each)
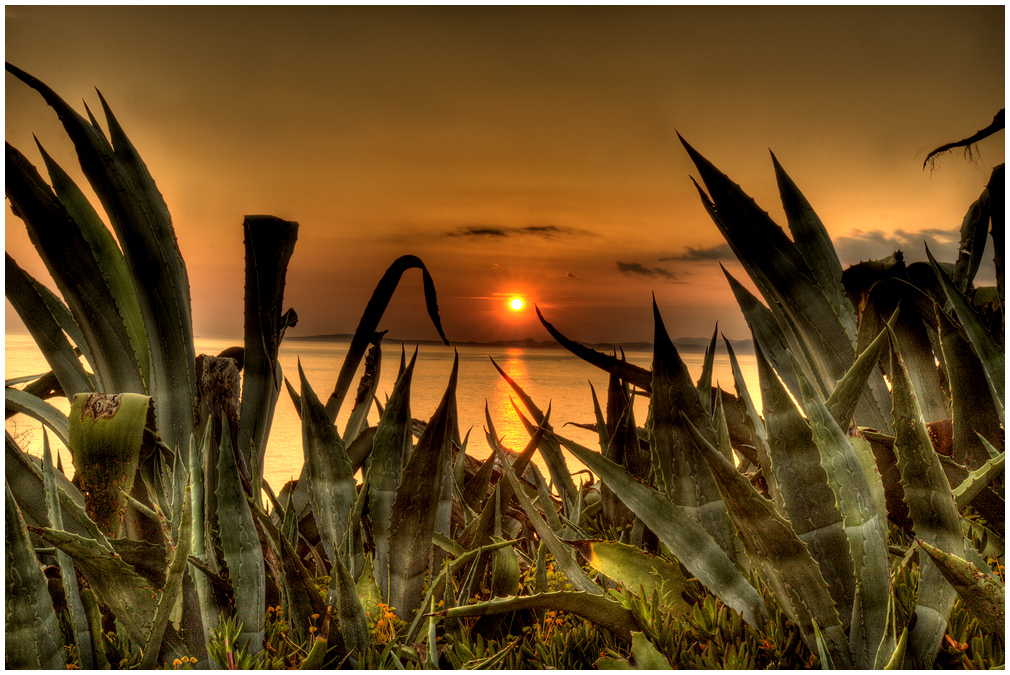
(510, 430)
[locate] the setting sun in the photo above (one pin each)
(515, 304)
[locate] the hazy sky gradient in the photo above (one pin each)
(518, 150)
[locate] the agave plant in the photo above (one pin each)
(832, 466)
(165, 508)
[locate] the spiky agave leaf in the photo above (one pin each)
(765, 329)
(680, 470)
(199, 457)
(808, 500)
(269, 243)
(636, 375)
(170, 592)
(32, 634)
(106, 438)
(549, 449)
(563, 557)
(24, 476)
(783, 561)
(974, 413)
(65, 318)
(978, 479)
(989, 351)
(845, 396)
(478, 532)
(390, 450)
(784, 277)
(984, 595)
(412, 520)
(624, 448)
(45, 330)
(814, 245)
(599, 609)
(684, 536)
(299, 595)
(80, 279)
(18, 401)
(756, 423)
(108, 256)
(117, 584)
(240, 546)
(863, 525)
(376, 306)
(68, 577)
(708, 364)
(350, 630)
(932, 509)
(367, 386)
(328, 471)
(143, 226)
(637, 571)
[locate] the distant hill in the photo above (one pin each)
(686, 345)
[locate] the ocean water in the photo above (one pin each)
(551, 376)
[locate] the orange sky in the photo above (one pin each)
(525, 151)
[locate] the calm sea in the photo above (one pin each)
(549, 375)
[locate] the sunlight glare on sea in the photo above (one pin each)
(549, 375)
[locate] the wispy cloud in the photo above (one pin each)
(853, 247)
(479, 231)
(718, 252)
(568, 275)
(874, 244)
(545, 231)
(637, 269)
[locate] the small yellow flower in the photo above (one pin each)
(176, 663)
(315, 616)
(312, 629)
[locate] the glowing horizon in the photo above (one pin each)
(507, 150)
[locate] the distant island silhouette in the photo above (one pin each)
(693, 345)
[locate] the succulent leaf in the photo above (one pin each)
(781, 558)
(637, 570)
(864, 527)
(74, 268)
(563, 557)
(984, 596)
(240, 546)
(32, 635)
(814, 245)
(932, 509)
(45, 329)
(413, 515)
(106, 438)
(108, 256)
(549, 448)
(636, 375)
(68, 577)
(374, 310)
(687, 540)
(985, 346)
(680, 470)
(328, 471)
(143, 227)
(808, 500)
(390, 449)
(18, 401)
(269, 243)
(599, 609)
